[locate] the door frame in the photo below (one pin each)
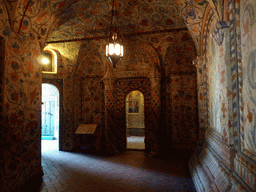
(123, 87)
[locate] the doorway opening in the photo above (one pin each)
(50, 117)
(135, 121)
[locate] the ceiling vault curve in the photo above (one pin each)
(74, 21)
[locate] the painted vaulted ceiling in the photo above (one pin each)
(68, 19)
(90, 18)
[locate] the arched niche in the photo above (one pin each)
(49, 62)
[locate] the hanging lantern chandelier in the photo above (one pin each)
(114, 50)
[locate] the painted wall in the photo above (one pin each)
(22, 100)
(244, 164)
(226, 159)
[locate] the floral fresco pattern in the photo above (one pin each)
(22, 151)
(248, 136)
(85, 19)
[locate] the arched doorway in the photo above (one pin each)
(50, 116)
(135, 121)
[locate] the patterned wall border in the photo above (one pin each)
(233, 65)
(244, 162)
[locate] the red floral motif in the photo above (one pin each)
(15, 96)
(169, 39)
(68, 83)
(30, 67)
(188, 49)
(94, 12)
(62, 4)
(250, 115)
(14, 76)
(246, 27)
(14, 119)
(224, 110)
(87, 110)
(159, 49)
(144, 22)
(222, 73)
(32, 96)
(7, 106)
(32, 115)
(41, 16)
(169, 21)
(179, 50)
(31, 127)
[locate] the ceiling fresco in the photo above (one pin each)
(92, 18)
(58, 19)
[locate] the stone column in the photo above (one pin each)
(155, 110)
(109, 132)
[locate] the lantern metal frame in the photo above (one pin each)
(114, 49)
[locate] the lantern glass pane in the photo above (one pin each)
(107, 52)
(111, 49)
(117, 49)
(122, 51)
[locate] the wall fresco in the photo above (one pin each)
(219, 86)
(248, 39)
(228, 69)
(22, 100)
(183, 103)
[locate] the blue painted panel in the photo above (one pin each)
(48, 114)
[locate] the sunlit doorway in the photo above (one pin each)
(50, 117)
(135, 121)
